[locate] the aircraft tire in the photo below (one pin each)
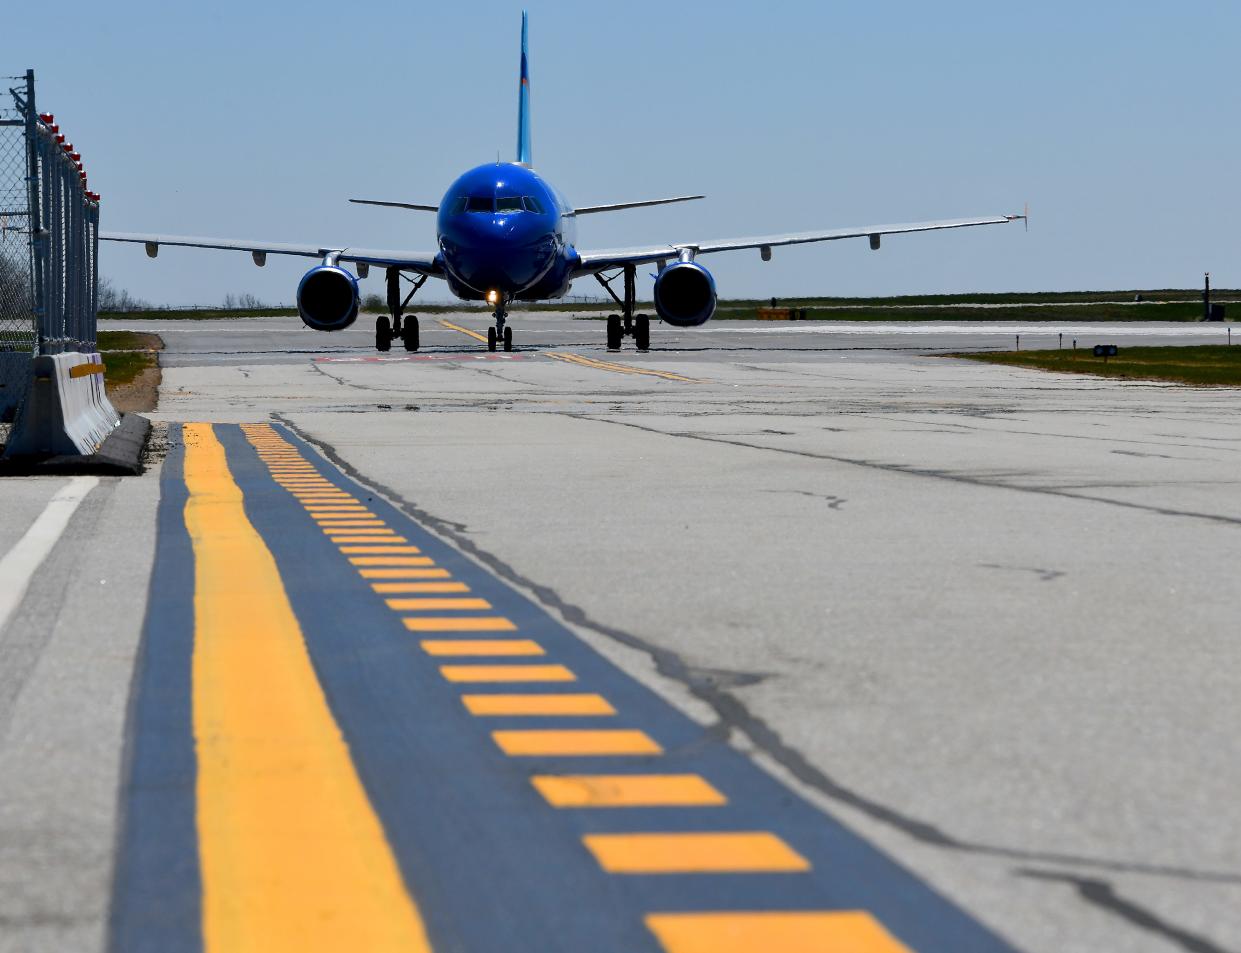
(642, 333)
(614, 332)
(409, 333)
(508, 339)
(491, 339)
(383, 333)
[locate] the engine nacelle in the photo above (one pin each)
(327, 298)
(685, 294)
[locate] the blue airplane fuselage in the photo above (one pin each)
(502, 228)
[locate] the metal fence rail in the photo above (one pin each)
(49, 243)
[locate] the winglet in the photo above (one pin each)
(523, 101)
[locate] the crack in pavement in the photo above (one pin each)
(731, 712)
(920, 471)
(1101, 894)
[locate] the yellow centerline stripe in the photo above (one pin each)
(291, 852)
(620, 368)
(456, 327)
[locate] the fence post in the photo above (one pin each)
(62, 408)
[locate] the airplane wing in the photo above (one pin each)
(616, 207)
(424, 262)
(593, 261)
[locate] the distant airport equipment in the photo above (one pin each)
(51, 376)
(1105, 351)
(504, 234)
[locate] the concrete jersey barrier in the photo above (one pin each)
(66, 411)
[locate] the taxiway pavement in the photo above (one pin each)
(973, 620)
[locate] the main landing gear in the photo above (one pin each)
(501, 334)
(626, 324)
(404, 327)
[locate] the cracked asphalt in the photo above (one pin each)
(985, 617)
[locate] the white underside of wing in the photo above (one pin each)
(593, 260)
(415, 261)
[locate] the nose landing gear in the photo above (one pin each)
(626, 324)
(501, 334)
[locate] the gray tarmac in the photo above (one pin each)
(985, 616)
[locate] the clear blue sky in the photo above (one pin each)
(1115, 120)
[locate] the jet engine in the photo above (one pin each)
(327, 298)
(685, 294)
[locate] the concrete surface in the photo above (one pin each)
(984, 616)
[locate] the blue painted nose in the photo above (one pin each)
(504, 252)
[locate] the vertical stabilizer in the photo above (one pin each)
(523, 101)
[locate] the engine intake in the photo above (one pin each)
(327, 298)
(685, 294)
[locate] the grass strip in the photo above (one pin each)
(1213, 365)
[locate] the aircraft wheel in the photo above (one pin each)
(508, 339)
(491, 339)
(614, 332)
(383, 333)
(642, 332)
(409, 333)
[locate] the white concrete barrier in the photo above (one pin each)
(66, 411)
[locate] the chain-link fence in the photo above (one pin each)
(18, 331)
(49, 243)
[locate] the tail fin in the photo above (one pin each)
(523, 101)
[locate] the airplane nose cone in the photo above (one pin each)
(506, 253)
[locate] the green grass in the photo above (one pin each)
(1206, 364)
(128, 341)
(1107, 311)
(121, 367)
(126, 354)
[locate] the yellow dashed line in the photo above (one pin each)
(481, 647)
(695, 853)
(507, 673)
(459, 624)
(793, 931)
(391, 587)
(627, 790)
(372, 538)
(576, 741)
(496, 705)
(403, 573)
(416, 605)
(364, 550)
(391, 561)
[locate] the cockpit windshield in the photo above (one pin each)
(506, 204)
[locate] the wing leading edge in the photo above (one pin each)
(424, 262)
(592, 261)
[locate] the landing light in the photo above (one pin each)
(493, 296)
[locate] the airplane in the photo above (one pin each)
(504, 235)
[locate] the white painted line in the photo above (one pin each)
(18, 565)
